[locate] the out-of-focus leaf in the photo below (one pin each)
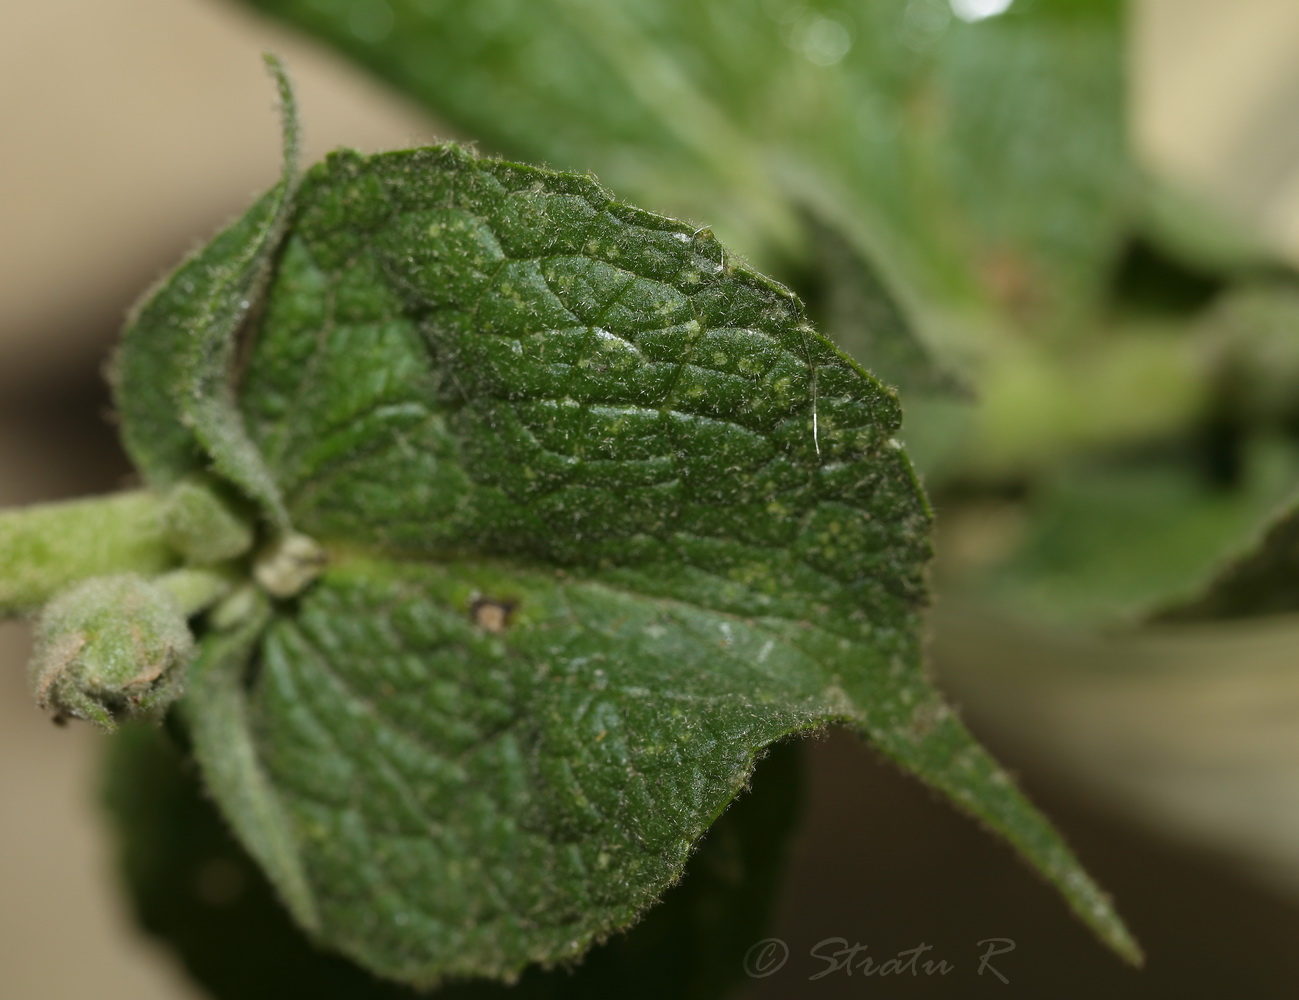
(858, 312)
(1191, 230)
(1263, 581)
(1251, 338)
(983, 165)
(1108, 540)
(1042, 406)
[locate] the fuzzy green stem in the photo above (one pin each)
(48, 547)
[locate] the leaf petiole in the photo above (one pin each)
(45, 548)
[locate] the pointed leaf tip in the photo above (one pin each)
(290, 123)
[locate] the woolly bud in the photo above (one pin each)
(111, 649)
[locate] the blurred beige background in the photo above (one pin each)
(130, 128)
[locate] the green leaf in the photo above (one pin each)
(195, 889)
(604, 519)
(1107, 540)
(1250, 336)
(217, 714)
(857, 311)
(984, 166)
(1261, 580)
(172, 373)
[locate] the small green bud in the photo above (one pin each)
(110, 649)
(203, 522)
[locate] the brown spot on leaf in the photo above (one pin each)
(491, 615)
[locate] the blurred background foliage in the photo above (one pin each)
(1094, 339)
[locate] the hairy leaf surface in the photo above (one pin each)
(173, 371)
(193, 888)
(605, 518)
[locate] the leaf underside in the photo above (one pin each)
(605, 519)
